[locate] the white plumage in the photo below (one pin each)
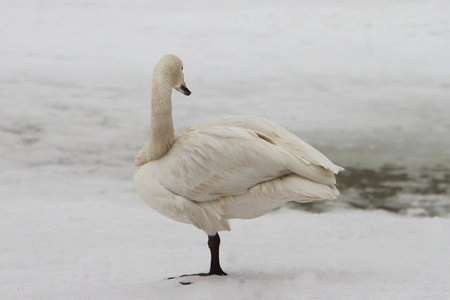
(233, 167)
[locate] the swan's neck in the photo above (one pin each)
(161, 126)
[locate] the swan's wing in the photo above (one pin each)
(281, 137)
(207, 163)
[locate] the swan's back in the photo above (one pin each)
(228, 156)
(279, 136)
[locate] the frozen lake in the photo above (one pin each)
(366, 83)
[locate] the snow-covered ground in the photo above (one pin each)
(101, 250)
(366, 82)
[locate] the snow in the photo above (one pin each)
(98, 250)
(365, 82)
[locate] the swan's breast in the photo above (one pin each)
(157, 196)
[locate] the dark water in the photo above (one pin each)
(424, 192)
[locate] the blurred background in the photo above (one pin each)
(365, 82)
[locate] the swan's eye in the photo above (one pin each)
(181, 68)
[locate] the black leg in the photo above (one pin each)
(214, 244)
(214, 269)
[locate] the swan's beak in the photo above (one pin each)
(183, 89)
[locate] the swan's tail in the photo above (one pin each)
(267, 195)
(304, 190)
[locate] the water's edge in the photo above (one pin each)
(422, 192)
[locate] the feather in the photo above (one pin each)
(229, 156)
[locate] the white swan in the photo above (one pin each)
(233, 167)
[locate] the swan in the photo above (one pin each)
(234, 167)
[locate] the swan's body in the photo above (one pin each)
(233, 167)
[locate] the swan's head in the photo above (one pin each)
(170, 70)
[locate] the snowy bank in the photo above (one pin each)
(98, 250)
